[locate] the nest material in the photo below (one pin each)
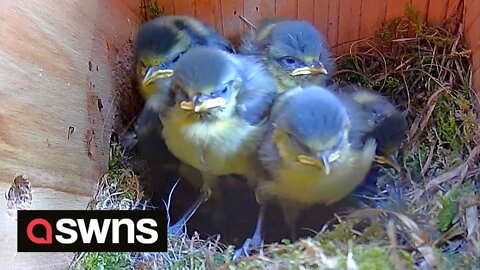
(424, 217)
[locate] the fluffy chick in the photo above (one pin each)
(158, 46)
(161, 42)
(214, 121)
(309, 154)
(383, 122)
(293, 50)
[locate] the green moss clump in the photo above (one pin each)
(104, 261)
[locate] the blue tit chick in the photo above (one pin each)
(158, 46)
(216, 114)
(310, 153)
(293, 50)
(161, 42)
(384, 123)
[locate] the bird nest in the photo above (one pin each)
(423, 217)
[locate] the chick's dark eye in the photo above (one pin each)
(224, 90)
(288, 60)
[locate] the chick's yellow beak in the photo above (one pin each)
(203, 106)
(309, 71)
(390, 161)
(154, 73)
(321, 163)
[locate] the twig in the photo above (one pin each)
(245, 20)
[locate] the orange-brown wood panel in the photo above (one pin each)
(207, 11)
(252, 11)
(453, 6)
(471, 13)
(437, 10)
(422, 7)
(321, 16)
(396, 8)
(333, 21)
(185, 7)
(267, 8)
(232, 24)
(349, 24)
(167, 6)
(472, 36)
(218, 15)
(373, 15)
(306, 11)
(56, 68)
(286, 8)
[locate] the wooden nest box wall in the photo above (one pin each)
(57, 97)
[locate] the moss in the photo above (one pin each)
(104, 261)
(449, 213)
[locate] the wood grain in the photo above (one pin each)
(55, 68)
(321, 16)
(167, 6)
(333, 23)
(396, 8)
(252, 11)
(286, 8)
(267, 8)
(208, 11)
(373, 15)
(306, 10)
(185, 7)
(233, 26)
(422, 7)
(472, 36)
(437, 10)
(349, 24)
(43, 199)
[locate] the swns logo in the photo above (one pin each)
(91, 231)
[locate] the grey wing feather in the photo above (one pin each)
(268, 153)
(248, 45)
(258, 91)
(359, 120)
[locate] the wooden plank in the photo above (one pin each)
(349, 24)
(305, 10)
(333, 20)
(232, 24)
(396, 8)
(52, 52)
(453, 7)
(252, 11)
(422, 7)
(43, 199)
(286, 9)
(218, 15)
(267, 8)
(185, 7)
(372, 16)
(472, 37)
(437, 10)
(206, 11)
(167, 6)
(55, 70)
(321, 16)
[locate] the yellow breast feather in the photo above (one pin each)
(217, 147)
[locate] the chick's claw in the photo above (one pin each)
(178, 228)
(256, 241)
